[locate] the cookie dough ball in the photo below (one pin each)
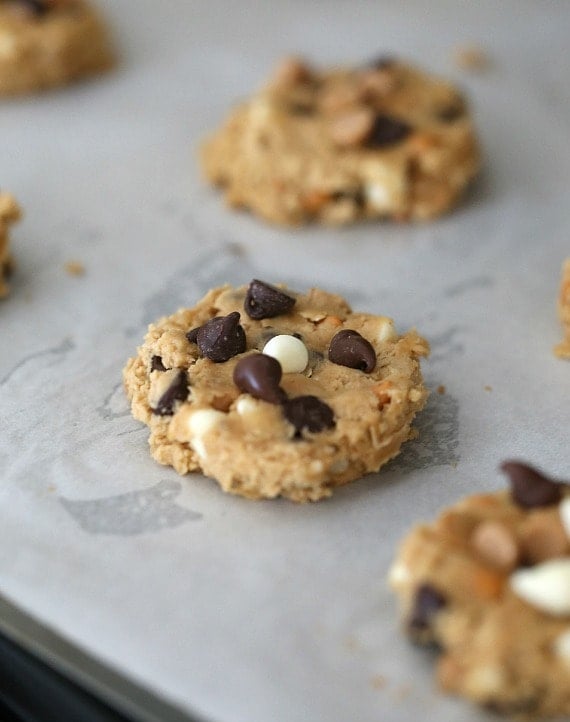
(563, 348)
(488, 583)
(46, 43)
(384, 140)
(276, 393)
(9, 214)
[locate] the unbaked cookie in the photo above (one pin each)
(276, 393)
(9, 213)
(383, 140)
(563, 348)
(489, 584)
(45, 43)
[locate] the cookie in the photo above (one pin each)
(488, 583)
(9, 213)
(46, 43)
(563, 348)
(384, 140)
(276, 393)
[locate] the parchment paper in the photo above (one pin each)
(249, 612)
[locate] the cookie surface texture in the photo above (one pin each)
(9, 214)
(288, 422)
(488, 583)
(384, 140)
(47, 43)
(563, 349)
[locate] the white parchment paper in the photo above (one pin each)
(248, 611)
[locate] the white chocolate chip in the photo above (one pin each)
(561, 646)
(202, 421)
(545, 586)
(377, 196)
(245, 406)
(564, 510)
(339, 466)
(399, 575)
(290, 351)
(387, 331)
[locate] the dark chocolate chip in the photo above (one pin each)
(529, 488)
(259, 375)
(265, 301)
(301, 109)
(308, 412)
(192, 335)
(451, 114)
(387, 131)
(356, 196)
(177, 391)
(156, 364)
(349, 348)
(38, 7)
(428, 601)
(221, 338)
(382, 62)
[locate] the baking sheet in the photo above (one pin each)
(250, 611)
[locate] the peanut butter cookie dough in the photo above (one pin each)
(276, 393)
(9, 213)
(563, 348)
(489, 584)
(46, 43)
(384, 140)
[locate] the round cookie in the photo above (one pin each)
(9, 214)
(46, 43)
(563, 348)
(488, 583)
(384, 140)
(289, 422)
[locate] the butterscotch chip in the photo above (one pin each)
(563, 348)
(492, 576)
(44, 44)
(243, 388)
(9, 214)
(340, 145)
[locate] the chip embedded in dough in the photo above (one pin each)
(9, 214)
(384, 140)
(562, 350)
(47, 43)
(488, 583)
(215, 403)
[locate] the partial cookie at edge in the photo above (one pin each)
(47, 44)
(9, 214)
(562, 350)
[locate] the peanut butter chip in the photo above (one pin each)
(352, 127)
(495, 543)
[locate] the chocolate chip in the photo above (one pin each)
(220, 338)
(382, 62)
(156, 364)
(192, 335)
(308, 412)
(349, 348)
(356, 196)
(387, 131)
(38, 7)
(529, 488)
(177, 391)
(265, 301)
(450, 114)
(427, 603)
(301, 108)
(259, 375)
